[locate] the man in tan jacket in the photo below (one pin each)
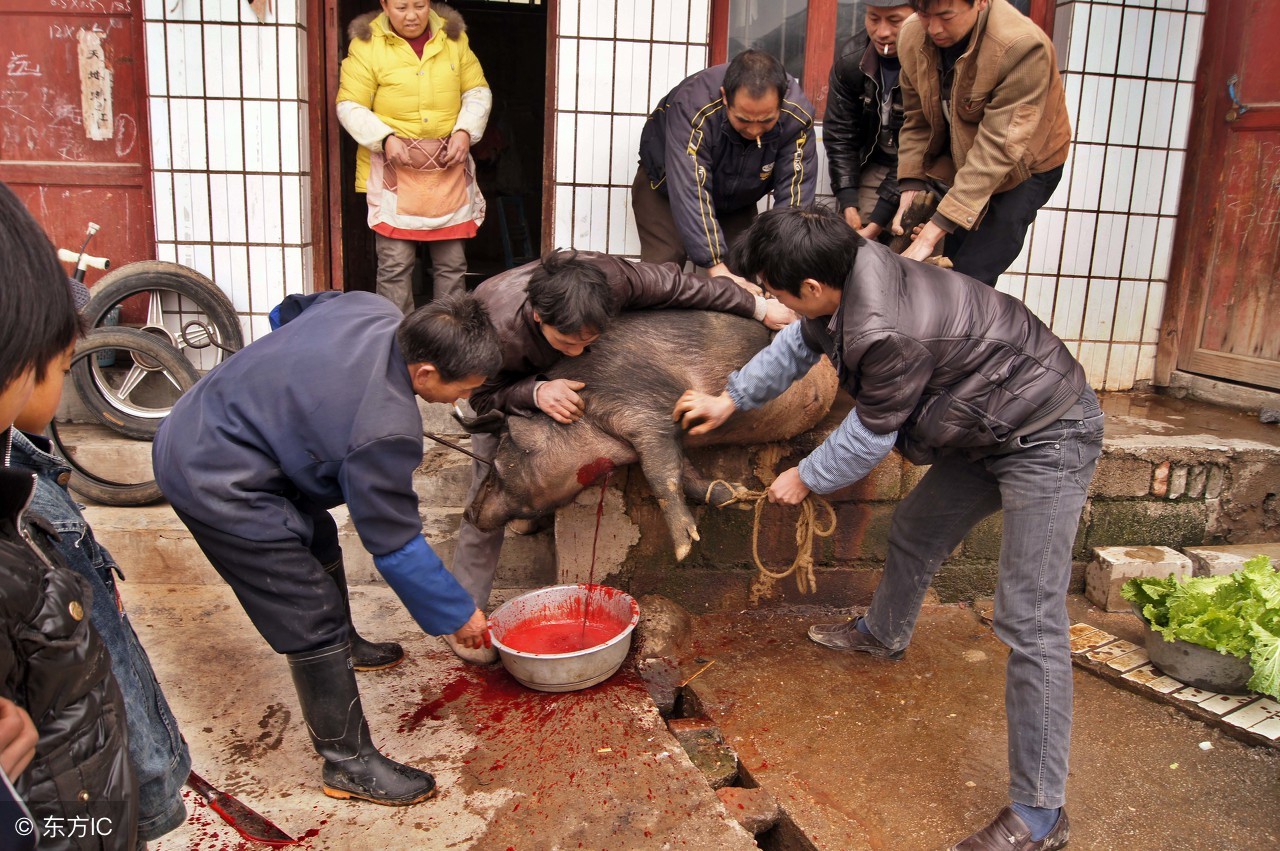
(986, 117)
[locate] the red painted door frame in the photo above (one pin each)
(1220, 308)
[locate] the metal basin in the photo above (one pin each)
(565, 671)
(1201, 667)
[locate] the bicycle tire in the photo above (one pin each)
(143, 277)
(134, 278)
(99, 488)
(108, 410)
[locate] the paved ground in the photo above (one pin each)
(865, 753)
(861, 753)
(517, 769)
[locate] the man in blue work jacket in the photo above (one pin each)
(320, 413)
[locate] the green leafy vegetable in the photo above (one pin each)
(1237, 613)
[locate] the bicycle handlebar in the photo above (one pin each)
(83, 261)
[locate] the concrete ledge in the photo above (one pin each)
(1214, 561)
(1112, 567)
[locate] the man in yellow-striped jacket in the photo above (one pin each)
(712, 148)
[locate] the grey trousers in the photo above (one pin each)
(397, 257)
(873, 174)
(1042, 489)
(475, 560)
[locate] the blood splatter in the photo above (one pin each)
(589, 474)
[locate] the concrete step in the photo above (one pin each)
(152, 546)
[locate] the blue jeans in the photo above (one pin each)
(156, 748)
(1041, 482)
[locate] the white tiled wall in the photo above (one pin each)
(614, 62)
(229, 142)
(1096, 262)
(232, 177)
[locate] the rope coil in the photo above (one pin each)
(807, 527)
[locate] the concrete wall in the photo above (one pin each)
(1175, 492)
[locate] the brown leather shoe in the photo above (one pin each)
(846, 636)
(1007, 832)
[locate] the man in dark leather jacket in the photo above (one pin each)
(970, 381)
(551, 309)
(80, 787)
(864, 113)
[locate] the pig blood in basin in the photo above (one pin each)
(541, 639)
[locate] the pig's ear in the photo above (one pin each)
(490, 423)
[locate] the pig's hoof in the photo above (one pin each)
(683, 546)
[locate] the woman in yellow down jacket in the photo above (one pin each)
(414, 97)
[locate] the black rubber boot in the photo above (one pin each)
(365, 655)
(353, 767)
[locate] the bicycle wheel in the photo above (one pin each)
(135, 394)
(99, 488)
(179, 306)
(104, 467)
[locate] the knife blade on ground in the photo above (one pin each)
(247, 823)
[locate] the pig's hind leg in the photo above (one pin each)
(662, 461)
(699, 488)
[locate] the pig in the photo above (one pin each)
(634, 375)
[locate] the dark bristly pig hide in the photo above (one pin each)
(634, 375)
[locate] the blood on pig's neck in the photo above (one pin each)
(589, 474)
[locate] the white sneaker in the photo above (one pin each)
(481, 656)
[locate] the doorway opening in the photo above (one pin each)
(510, 40)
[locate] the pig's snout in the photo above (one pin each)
(487, 510)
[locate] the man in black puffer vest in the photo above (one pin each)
(968, 380)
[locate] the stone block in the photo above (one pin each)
(1215, 561)
(957, 582)
(707, 750)
(664, 629)
(1133, 522)
(862, 532)
(661, 676)
(1113, 566)
(983, 541)
(1177, 482)
(1160, 479)
(755, 809)
(911, 475)
(592, 544)
(1122, 476)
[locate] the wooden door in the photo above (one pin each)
(1222, 314)
(73, 121)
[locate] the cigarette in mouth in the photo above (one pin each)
(885, 47)
(759, 144)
